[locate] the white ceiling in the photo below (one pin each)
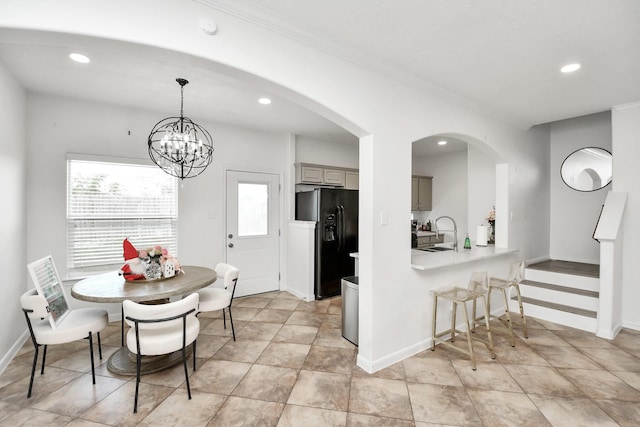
(502, 57)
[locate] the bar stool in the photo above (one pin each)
(516, 275)
(478, 288)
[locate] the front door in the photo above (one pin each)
(253, 240)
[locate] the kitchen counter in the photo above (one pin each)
(421, 260)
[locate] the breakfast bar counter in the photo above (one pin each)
(421, 260)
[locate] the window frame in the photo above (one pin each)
(169, 221)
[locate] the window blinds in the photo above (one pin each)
(108, 202)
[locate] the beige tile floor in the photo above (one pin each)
(291, 367)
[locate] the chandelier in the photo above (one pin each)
(179, 146)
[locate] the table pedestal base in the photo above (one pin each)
(123, 362)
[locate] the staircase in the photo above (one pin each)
(561, 292)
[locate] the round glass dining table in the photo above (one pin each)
(113, 288)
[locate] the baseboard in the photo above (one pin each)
(15, 348)
(300, 295)
(631, 325)
(537, 260)
(609, 334)
(398, 356)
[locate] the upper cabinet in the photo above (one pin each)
(326, 175)
(421, 189)
(352, 180)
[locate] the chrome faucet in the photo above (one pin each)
(455, 230)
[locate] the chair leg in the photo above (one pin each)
(508, 316)
(473, 314)
(233, 330)
(186, 372)
(224, 319)
(433, 323)
(135, 401)
(473, 355)
(44, 357)
(99, 346)
(33, 370)
(194, 356)
(454, 311)
(522, 316)
(93, 368)
(489, 336)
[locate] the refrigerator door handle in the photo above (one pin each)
(341, 228)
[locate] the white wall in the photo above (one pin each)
(13, 228)
(626, 152)
(311, 150)
(449, 192)
(60, 125)
(385, 113)
(574, 214)
(482, 189)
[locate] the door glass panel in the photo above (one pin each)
(253, 209)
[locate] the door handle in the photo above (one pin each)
(230, 245)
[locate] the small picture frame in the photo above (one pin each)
(45, 276)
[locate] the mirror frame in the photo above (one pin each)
(590, 171)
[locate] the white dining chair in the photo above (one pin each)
(76, 324)
(162, 329)
(50, 319)
(213, 298)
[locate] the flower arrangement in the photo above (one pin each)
(152, 263)
(491, 217)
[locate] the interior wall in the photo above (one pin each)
(482, 189)
(316, 151)
(450, 194)
(60, 125)
(386, 113)
(626, 152)
(13, 228)
(573, 214)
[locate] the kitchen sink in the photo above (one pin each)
(436, 249)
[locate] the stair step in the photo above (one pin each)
(559, 288)
(563, 279)
(568, 267)
(559, 307)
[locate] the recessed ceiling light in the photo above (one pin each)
(264, 101)
(570, 68)
(78, 57)
(443, 142)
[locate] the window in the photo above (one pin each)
(110, 201)
(253, 209)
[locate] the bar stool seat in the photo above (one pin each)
(516, 275)
(478, 288)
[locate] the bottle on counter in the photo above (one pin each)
(467, 242)
(429, 225)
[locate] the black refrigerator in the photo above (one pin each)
(336, 214)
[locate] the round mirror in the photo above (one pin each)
(587, 169)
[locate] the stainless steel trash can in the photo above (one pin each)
(350, 308)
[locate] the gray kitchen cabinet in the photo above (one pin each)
(326, 175)
(334, 177)
(421, 192)
(427, 241)
(309, 174)
(352, 179)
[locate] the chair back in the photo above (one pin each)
(229, 274)
(516, 274)
(160, 316)
(34, 305)
(48, 284)
(479, 281)
(161, 328)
